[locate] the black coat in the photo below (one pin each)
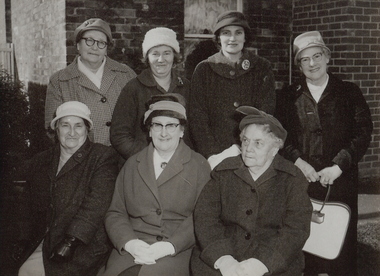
(73, 202)
(337, 130)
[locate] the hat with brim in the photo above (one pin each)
(231, 18)
(256, 116)
(72, 108)
(95, 24)
(166, 108)
(305, 41)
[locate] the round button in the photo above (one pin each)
(79, 155)
(249, 212)
(253, 190)
(158, 212)
(159, 238)
(247, 236)
(232, 73)
(236, 104)
(108, 123)
(318, 132)
(104, 99)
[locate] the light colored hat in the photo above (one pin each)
(72, 108)
(231, 18)
(307, 40)
(255, 116)
(160, 36)
(96, 24)
(166, 108)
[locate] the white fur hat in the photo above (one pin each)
(160, 36)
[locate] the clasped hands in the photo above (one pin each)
(229, 266)
(148, 254)
(325, 176)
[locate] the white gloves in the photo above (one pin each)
(253, 267)
(215, 159)
(141, 251)
(162, 249)
(228, 266)
(148, 254)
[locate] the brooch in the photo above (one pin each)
(245, 64)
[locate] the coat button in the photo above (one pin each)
(158, 212)
(249, 212)
(79, 155)
(236, 104)
(253, 190)
(159, 238)
(104, 99)
(247, 236)
(108, 123)
(232, 73)
(318, 132)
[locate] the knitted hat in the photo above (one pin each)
(307, 40)
(72, 108)
(160, 36)
(96, 24)
(231, 18)
(255, 116)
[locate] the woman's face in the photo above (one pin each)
(72, 133)
(92, 56)
(161, 60)
(314, 65)
(232, 39)
(167, 139)
(257, 147)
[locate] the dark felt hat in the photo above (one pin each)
(255, 116)
(229, 18)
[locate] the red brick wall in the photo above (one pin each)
(351, 29)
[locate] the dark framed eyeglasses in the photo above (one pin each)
(306, 60)
(157, 127)
(90, 42)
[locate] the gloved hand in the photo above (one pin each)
(64, 251)
(162, 249)
(309, 172)
(229, 266)
(253, 267)
(215, 159)
(141, 251)
(329, 174)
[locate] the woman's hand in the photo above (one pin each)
(309, 172)
(229, 266)
(253, 267)
(162, 249)
(141, 251)
(329, 174)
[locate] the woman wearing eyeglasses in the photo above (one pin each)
(92, 78)
(161, 54)
(329, 130)
(150, 220)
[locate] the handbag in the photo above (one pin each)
(328, 228)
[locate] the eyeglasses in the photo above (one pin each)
(316, 58)
(169, 127)
(90, 42)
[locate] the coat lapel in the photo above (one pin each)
(146, 169)
(108, 77)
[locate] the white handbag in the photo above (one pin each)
(328, 228)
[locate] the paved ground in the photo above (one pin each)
(369, 208)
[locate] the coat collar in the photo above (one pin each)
(147, 79)
(237, 165)
(301, 88)
(223, 66)
(78, 157)
(145, 166)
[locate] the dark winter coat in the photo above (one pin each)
(128, 133)
(153, 209)
(337, 130)
(267, 219)
(217, 89)
(73, 202)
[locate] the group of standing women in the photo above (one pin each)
(166, 214)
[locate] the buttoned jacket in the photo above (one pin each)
(151, 209)
(128, 133)
(218, 87)
(267, 219)
(70, 84)
(72, 202)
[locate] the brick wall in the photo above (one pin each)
(351, 29)
(37, 34)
